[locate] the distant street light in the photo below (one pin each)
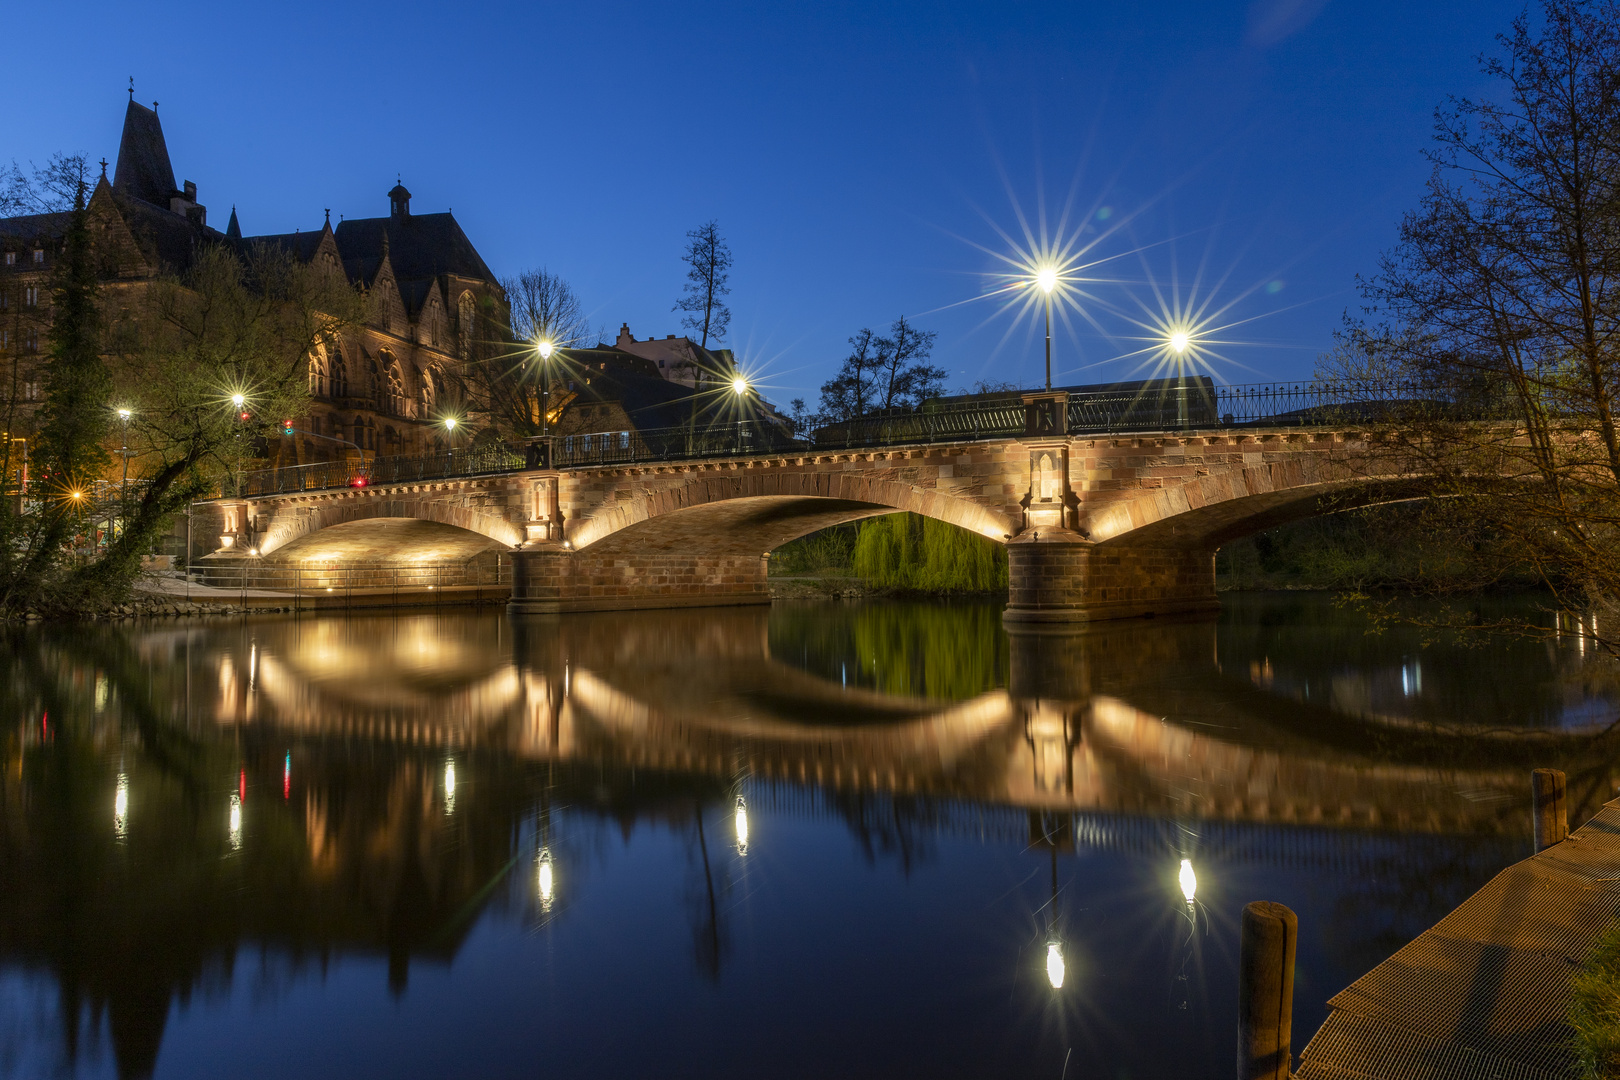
(739, 386)
(123, 484)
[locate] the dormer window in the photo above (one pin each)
(11, 258)
(39, 255)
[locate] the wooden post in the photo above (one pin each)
(1548, 809)
(1266, 991)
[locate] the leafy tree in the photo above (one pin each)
(180, 347)
(74, 420)
(1502, 296)
(708, 268)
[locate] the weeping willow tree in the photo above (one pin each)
(918, 554)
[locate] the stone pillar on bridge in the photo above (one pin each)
(1058, 575)
(1048, 559)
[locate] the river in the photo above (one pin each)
(811, 840)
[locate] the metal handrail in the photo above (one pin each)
(1160, 405)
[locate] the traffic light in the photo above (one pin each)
(286, 427)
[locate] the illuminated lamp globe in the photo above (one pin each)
(450, 424)
(1055, 968)
(238, 400)
(544, 349)
(739, 386)
(123, 414)
(1179, 341)
(1047, 279)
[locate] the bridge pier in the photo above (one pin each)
(552, 578)
(1057, 577)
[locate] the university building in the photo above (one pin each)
(434, 304)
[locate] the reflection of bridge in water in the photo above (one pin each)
(1077, 731)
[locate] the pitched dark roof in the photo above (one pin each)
(633, 381)
(419, 246)
(170, 239)
(143, 170)
(233, 230)
(302, 244)
(36, 226)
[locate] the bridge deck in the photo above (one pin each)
(1486, 990)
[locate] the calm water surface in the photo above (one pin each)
(808, 841)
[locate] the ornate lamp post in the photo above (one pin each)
(1046, 279)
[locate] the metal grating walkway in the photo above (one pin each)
(1483, 993)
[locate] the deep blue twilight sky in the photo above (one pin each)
(859, 157)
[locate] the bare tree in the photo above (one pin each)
(1502, 298)
(708, 268)
(43, 189)
(905, 378)
(853, 390)
(544, 306)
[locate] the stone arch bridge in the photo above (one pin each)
(1097, 525)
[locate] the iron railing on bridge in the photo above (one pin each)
(1153, 406)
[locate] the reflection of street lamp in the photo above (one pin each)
(547, 880)
(121, 807)
(1189, 880)
(1055, 969)
(1046, 279)
(742, 826)
(236, 821)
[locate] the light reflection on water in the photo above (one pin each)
(815, 840)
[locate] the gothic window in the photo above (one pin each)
(39, 255)
(465, 310)
(428, 393)
(31, 296)
(11, 258)
(394, 401)
(624, 440)
(378, 388)
(318, 372)
(339, 375)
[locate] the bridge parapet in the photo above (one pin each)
(1097, 526)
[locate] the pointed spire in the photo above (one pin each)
(233, 231)
(143, 170)
(328, 219)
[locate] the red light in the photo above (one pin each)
(246, 415)
(241, 785)
(358, 481)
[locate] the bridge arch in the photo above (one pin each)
(756, 511)
(294, 523)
